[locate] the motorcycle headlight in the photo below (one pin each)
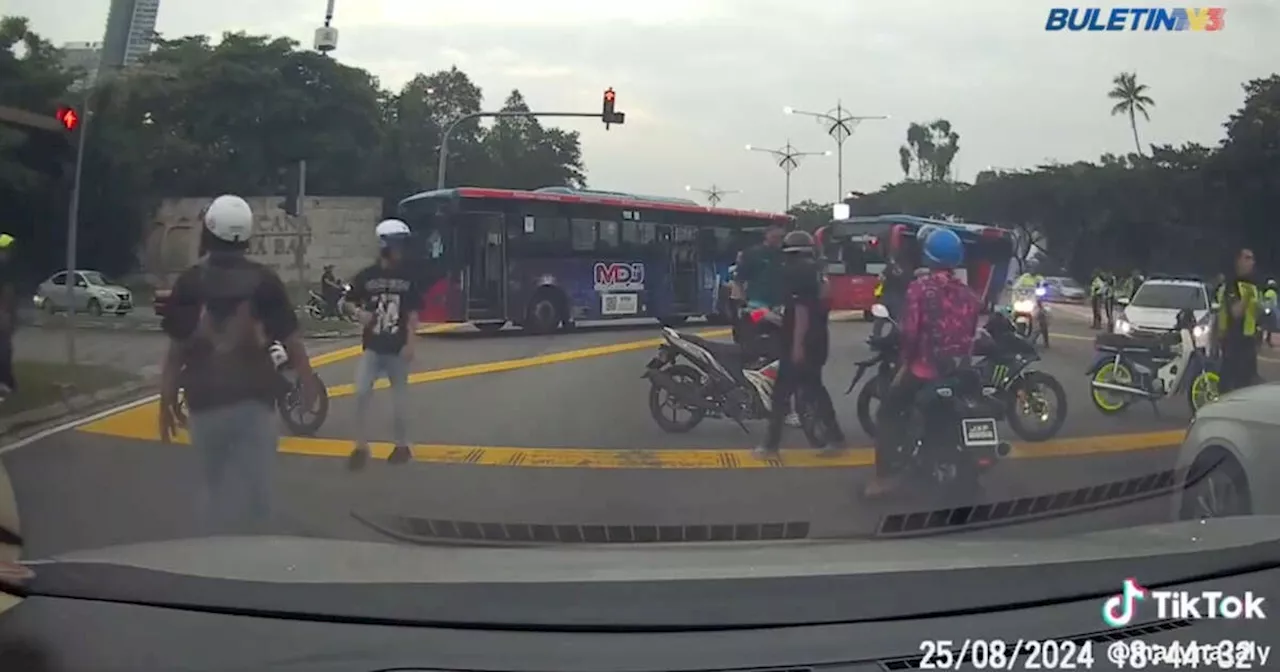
(1040, 291)
(1023, 306)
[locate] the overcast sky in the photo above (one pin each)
(700, 79)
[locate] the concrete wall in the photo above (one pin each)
(334, 230)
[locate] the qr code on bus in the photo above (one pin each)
(618, 304)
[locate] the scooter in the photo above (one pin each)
(1131, 367)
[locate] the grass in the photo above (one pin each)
(43, 383)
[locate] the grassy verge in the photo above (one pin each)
(44, 383)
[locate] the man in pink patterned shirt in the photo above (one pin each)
(938, 322)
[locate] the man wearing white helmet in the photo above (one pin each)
(386, 296)
(220, 318)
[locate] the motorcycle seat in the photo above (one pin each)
(725, 352)
(1136, 342)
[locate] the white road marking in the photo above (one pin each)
(72, 424)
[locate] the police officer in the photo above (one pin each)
(1099, 297)
(1269, 299)
(1239, 308)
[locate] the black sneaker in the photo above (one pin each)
(358, 458)
(400, 455)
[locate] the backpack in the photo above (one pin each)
(227, 321)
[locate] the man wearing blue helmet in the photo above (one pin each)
(938, 322)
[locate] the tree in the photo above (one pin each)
(525, 155)
(930, 150)
(810, 215)
(1131, 99)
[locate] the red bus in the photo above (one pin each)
(546, 258)
(855, 250)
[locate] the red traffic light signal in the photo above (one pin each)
(68, 117)
(607, 113)
(609, 95)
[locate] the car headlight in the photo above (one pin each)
(1200, 331)
(1123, 326)
(1023, 306)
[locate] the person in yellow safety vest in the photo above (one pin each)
(1269, 298)
(1239, 307)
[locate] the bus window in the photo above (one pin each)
(583, 235)
(610, 238)
(631, 238)
(549, 237)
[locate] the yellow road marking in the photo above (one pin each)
(522, 363)
(139, 423)
(355, 350)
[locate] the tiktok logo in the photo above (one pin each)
(1119, 610)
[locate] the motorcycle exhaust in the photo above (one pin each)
(1119, 388)
(681, 392)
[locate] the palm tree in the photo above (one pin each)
(1131, 99)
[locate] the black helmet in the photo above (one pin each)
(798, 242)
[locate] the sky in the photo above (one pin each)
(701, 79)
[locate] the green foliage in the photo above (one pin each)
(198, 119)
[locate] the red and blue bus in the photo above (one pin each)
(855, 250)
(550, 257)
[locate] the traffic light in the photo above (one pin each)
(607, 113)
(68, 117)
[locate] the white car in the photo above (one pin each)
(1154, 308)
(1228, 456)
(93, 293)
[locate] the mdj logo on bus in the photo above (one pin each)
(619, 277)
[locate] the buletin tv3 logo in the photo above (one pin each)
(1120, 610)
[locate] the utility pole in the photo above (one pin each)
(839, 125)
(713, 193)
(607, 114)
(73, 218)
(301, 252)
(788, 159)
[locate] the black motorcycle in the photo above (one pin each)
(319, 309)
(300, 421)
(1006, 365)
(953, 436)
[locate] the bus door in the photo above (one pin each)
(683, 270)
(482, 237)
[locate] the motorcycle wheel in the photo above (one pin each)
(289, 408)
(1203, 390)
(867, 396)
(815, 431)
(659, 400)
(1106, 401)
(1050, 387)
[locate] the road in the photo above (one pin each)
(554, 430)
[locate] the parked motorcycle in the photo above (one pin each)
(709, 379)
(298, 420)
(884, 358)
(319, 309)
(1130, 367)
(1031, 317)
(952, 437)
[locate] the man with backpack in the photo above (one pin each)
(223, 314)
(386, 297)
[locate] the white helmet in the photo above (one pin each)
(229, 218)
(389, 230)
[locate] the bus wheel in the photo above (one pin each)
(546, 312)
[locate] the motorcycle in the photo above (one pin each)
(319, 309)
(1141, 366)
(1006, 363)
(953, 437)
(1031, 317)
(289, 401)
(710, 379)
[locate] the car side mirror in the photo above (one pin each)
(81, 283)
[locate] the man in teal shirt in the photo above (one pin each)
(760, 272)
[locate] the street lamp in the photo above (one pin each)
(788, 159)
(714, 194)
(839, 124)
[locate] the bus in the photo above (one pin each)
(855, 251)
(547, 258)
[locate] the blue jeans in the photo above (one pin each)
(237, 445)
(372, 366)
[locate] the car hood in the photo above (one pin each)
(1157, 318)
(114, 288)
(1257, 402)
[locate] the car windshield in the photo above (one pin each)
(1157, 295)
(493, 369)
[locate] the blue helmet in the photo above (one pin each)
(943, 248)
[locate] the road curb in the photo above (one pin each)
(29, 422)
(154, 327)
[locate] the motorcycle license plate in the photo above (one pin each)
(979, 432)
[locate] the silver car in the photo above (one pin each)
(92, 293)
(1229, 456)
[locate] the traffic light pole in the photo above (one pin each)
(442, 164)
(73, 228)
(300, 254)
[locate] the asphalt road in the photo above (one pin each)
(519, 429)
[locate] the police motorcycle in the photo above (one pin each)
(299, 421)
(1031, 315)
(1130, 367)
(710, 379)
(1007, 363)
(953, 436)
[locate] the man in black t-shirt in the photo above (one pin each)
(805, 345)
(386, 297)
